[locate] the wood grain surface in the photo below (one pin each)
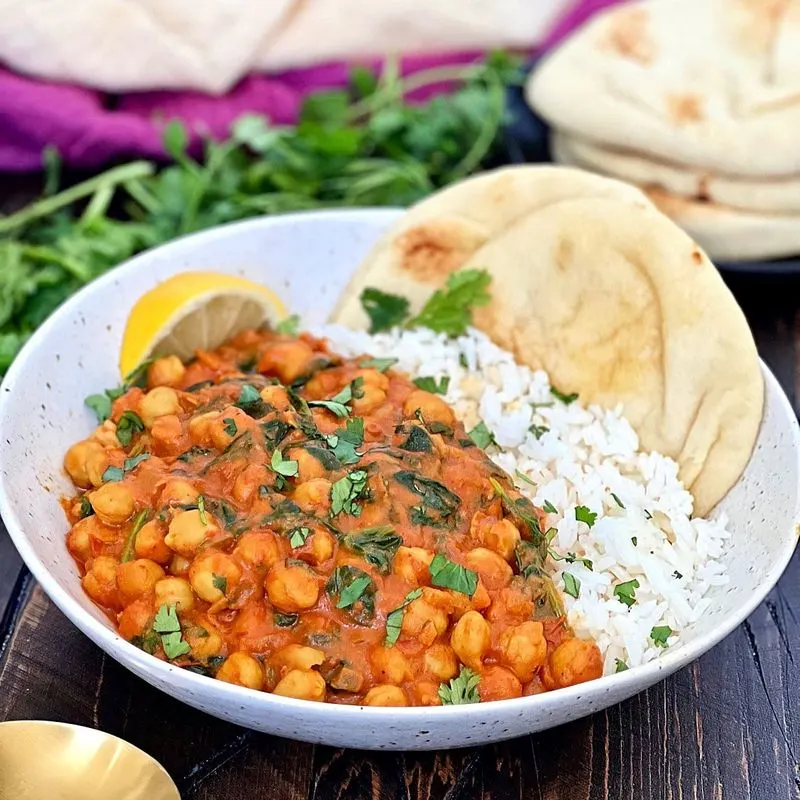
(725, 728)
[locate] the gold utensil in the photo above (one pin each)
(55, 761)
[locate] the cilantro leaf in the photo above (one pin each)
(660, 634)
(101, 405)
(582, 514)
(86, 508)
(134, 461)
(250, 401)
(130, 542)
(201, 509)
(394, 619)
(230, 426)
(129, 424)
(289, 326)
(355, 591)
(345, 441)
(380, 364)
(626, 592)
(220, 582)
(620, 666)
(346, 492)
(461, 690)
(385, 310)
(174, 645)
(430, 384)
(166, 620)
(283, 466)
(338, 403)
(297, 538)
(481, 435)
(572, 586)
(449, 310)
(549, 507)
(112, 474)
(617, 500)
(538, 430)
(564, 398)
(524, 477)
(447, 574)
(377, 545)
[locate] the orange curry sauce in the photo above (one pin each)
(359, 551)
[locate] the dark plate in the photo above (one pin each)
(527, 143)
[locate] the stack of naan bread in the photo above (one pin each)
(696, 101)
(594, 285)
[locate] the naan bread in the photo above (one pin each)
(730, 234)
(710, 83)
(776, 195)
(611, 299)
(440, 234)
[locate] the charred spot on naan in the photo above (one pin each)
(684, 109)
(431, 251)
(629, 36)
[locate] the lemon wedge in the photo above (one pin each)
(195, 311)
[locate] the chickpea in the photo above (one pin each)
(498, 683)
(135, 618)
(100, 582)
(303, 684)
(79, 542)
(204, 641)
(322, 546)
(492, 568)
(213, 576)
(135, 578)
(178, 565)
(188, 531)
(389, 665)
(314, 496)
(424, 622)
(150, 543)
(502, 537)
(106, 435)
(433, 408)
(287, 360)
(523, 649)
(470, 639)
(178, 491)
(426, 693)
(167, 371)
(372, 398)
(199, 427)
(247, 482)
(167, 435)
(243, 670)
(258, 549)
(113, 503)
(158, 402)
(292, 589)
(308, 467)
(174, 591)
(440, 661)
(297, 656)
(85, 462)
(276, 396)
(573, 661)
(221, 431)
(372, 377)
(411, 564)
(385, 694)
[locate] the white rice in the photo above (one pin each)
(586, 456)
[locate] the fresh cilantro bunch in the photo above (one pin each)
(360, 146)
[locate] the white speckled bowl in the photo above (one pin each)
(307, 259)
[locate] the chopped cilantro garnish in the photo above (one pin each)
(571, 558)
(101, 405)
(538, 430)
(355, 590)
(549, 507)
(582, 514)
(481, 436)
(220, 582)
(378, 545)
(283, 466)
(345, 441)
(430, 384)
(230, 426)
(449, 310)
(524, 477)
(174, 645)
(346, 492)
(201, 509)
(166, 620)
(86, 508)
(461, 690)
(338, 404)
(380, 364)
(394, 619)
(385, 310)
(564, 398)
(620, 666)
(113, 474)
(660, 634)
(250, 401)
(447, 574)
(626, 592)
(572, 586)
(129, 424)
(130, 543)
(617, 500)
(297, 538)
(289, 325)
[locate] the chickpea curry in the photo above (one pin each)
(282, 518)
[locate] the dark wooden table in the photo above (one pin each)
(725, 728)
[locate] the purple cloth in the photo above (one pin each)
(90, 128)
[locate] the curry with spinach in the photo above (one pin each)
(279, 517)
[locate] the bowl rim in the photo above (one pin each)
(631, 680)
